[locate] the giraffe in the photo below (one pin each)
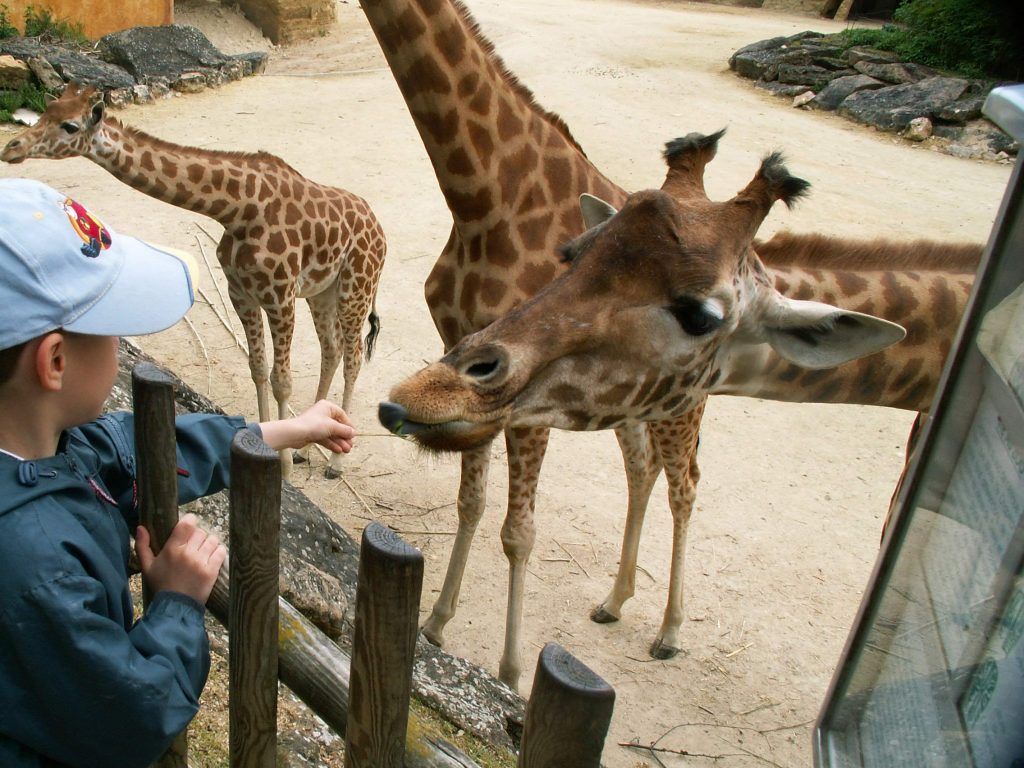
(285, 237)
(670, 300)
(511, 174)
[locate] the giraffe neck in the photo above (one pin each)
(928, 303)
(483, 131)
(212, 183)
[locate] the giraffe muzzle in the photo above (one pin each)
(14, 152)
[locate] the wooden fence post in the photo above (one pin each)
(254, 567)
(383, 648)
(157, 479)
(568, 713)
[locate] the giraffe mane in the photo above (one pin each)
(159, 143)
(828, 252)
(473, 27)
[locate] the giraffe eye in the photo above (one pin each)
(70, 127)
(694, 316)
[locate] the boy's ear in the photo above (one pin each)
(50, 361)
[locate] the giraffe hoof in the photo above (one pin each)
(600, 616)
(660, 650)
(435, 640)
(298, 458)
(331, 473)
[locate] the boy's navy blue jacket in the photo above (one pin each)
(81, 683)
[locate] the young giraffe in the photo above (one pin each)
(666, 302)
(511, 175)
(285, 237)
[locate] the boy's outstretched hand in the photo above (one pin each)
(188, 563)
(324, 423)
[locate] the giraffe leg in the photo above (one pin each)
(248, 312)
(526, 448)
(324, 310)
(676, 442)
(350, 323)
(281, 318)
(472, 498)
(642, 469)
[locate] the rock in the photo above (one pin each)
(803, 98)
(920, 128)
(962, 110)
(190, 82)
(780, 89)
(891, 72)
(748, 51)
(233, 70)
(141, 94)
(160, 89)
(253, 63)
(71, 64)
(892, 108)
(833, 94)
(858, 54)
(46, 75)
(119, 97)
(812, 76)
(755, 65)
(14, 74)
(167, 51)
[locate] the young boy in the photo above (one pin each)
(80, 683)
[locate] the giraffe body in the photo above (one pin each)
(511, 174)
(668, 302)
(285, 237)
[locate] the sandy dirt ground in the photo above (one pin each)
(793, 496)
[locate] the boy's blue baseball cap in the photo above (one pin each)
(62, 267)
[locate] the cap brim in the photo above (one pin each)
(152, 292)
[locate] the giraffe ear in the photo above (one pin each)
(815, 335)
(96, 114)
(595, 210)
(49, 98)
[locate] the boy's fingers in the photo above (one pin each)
(142, 548)
(207, 547)
(183, 530)
(218, 556)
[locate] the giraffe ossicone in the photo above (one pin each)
(285, 237)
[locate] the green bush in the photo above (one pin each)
(976, 37)
(973, 38)
(6, 28)
(39, 22)
(30, 96)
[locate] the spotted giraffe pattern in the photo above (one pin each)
(511, 174)
(643, 328)
(285, 237)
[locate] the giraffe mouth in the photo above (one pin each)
(447, 436)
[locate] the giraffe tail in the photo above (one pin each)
(371, 337)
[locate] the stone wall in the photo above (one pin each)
(97, 17)
(287, 21)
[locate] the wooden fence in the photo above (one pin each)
(365, 697)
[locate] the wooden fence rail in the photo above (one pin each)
(569, 710)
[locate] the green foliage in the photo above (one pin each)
(6, 28)
(29, 96)
(39, 22)
(973, 38)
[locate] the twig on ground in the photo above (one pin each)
(738, 650)
(571, 555)
(213, 275)
(206, 356)
(224, 322)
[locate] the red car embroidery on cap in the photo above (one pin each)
(88, 227)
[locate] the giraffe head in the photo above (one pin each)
(66, 129)
(662, 300)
